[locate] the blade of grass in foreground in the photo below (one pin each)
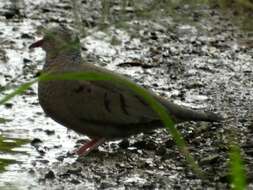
(18, 91)
(237, 170)
(158, 108)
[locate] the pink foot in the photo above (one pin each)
(91, 145)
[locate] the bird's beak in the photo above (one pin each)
(36, 44)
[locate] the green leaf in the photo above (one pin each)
(237, 170)
(7, 144)
(18, 91)
(5, 162)
(3, 120)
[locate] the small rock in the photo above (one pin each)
(107, 184)
(75, 171)
(139, 144)
(75, 181)
(26, 36)
(41, 152)
(11, 13)
(194, 85)
(8, 105)
(35, 142)
(50, 175)
(25, 60)
(64, 176)
(43, 161)
(60, 158)
(212, 159)
(124, 144)
(149, 186)
(150, 145)
(31, 171)
(49, 132)
(161, 151)
(169, 143)
(153, 36)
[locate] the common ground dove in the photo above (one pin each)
(102, 110)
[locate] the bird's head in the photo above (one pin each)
(57, 39)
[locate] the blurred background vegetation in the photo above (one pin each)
(123, 14)
(120, 11)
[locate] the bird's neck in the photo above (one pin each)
(59, 58)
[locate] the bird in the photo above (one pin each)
(102, 110)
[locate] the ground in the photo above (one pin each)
(196, 59)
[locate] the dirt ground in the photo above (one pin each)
(196, 60)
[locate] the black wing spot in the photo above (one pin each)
(79, 89)
(123, 104)
(141, 100)
(89, 90)
(107, 102)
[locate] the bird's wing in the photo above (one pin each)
(107, 102)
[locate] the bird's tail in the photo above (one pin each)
(181, 113)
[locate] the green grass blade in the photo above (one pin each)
(18, 91)
(237, 170)
(4, 120)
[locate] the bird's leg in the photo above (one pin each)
(91, 145)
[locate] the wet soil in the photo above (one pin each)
(197, 61)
